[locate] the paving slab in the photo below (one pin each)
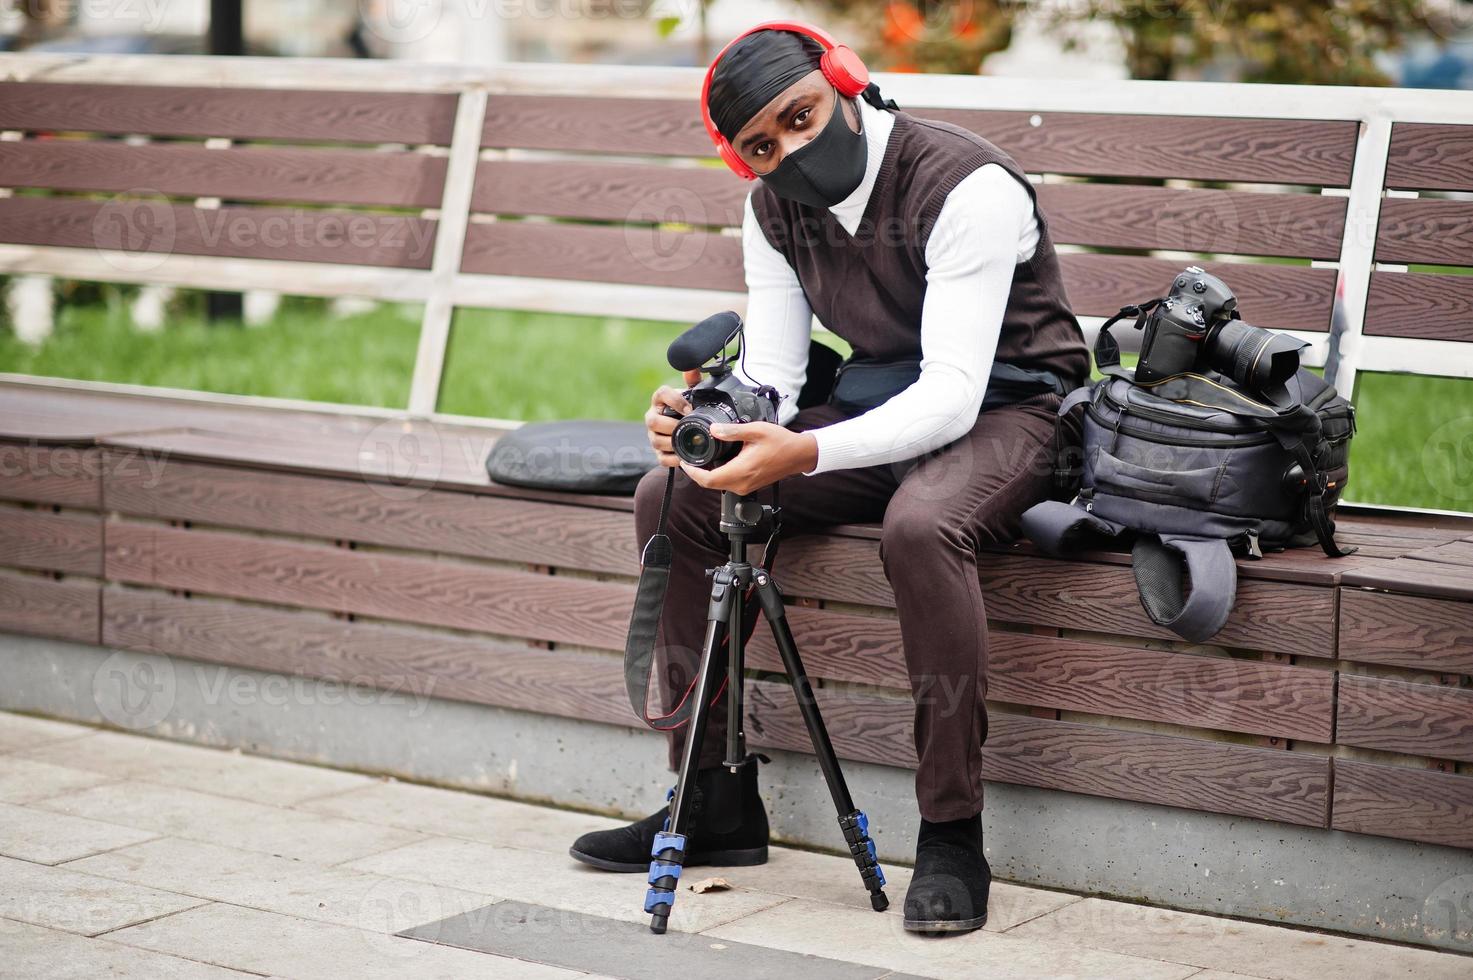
(284, 885)
(264, 942)
(1256, 949)
(536, 878)
(627, 949)
(879, 939)
(59, 898)
(176, 812)
(446, 813)
(24, 731)
(49, 838)
(223, 772)
(25, 780)
(48, 954)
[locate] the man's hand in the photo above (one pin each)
(659, 426)
(770, 453)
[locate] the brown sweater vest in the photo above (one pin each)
(868, 288)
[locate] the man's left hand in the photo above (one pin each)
(770, 454)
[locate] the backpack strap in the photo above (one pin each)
(1315, 491)
(1159, 563)
(1057, 527)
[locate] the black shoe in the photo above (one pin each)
(727, 827)
(948, 892)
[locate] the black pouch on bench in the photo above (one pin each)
(865, 384)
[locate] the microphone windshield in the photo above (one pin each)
(703, 341)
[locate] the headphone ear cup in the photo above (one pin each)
(845, 70)
(730, 157)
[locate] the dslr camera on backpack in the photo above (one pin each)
(1218, 443)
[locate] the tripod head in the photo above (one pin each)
(743, 515)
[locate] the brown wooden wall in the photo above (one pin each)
(1322, 703)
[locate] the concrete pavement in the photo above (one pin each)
(127, 856)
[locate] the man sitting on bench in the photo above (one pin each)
(922, 245)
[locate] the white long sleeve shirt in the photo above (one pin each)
(986, 226)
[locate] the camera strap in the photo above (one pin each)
(1107, 348)
(649, 602)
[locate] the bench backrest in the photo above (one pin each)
(594, 190)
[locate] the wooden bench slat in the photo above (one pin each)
(1282, 151)
(610, 191)
(641, 255)
(1183, 772)
(1283, 297)
(244, 173)
(1101, 215)
(1075, 675)
(236, 113)
(449, 522)
(1265, 151)
(1414, 577)
(1406, 631)
(410, 589)
(1431, 231)
(45, 541)
(1418, 304)
(1273, 616)
(345, 237)
(1235, 222)
(1153, 685)
(1430, 157)
(1401, 716)
(404, 661)
(68, 476)
(1266, 784)
(1410, 804)
(1280, 297)
(65, 609)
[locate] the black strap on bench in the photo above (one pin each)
(649, 602)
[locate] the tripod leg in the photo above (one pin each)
(668, 852)
(852, 821)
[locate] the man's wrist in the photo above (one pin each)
(809, 461)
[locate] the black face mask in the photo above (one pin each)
(826, 169)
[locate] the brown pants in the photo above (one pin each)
(936, 510)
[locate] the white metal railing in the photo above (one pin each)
(443, 287)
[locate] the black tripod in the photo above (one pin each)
(741, 518)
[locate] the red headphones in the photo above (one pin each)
(839, 64)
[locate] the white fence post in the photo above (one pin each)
(455, 205)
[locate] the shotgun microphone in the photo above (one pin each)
(692, 349)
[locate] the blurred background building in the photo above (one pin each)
(1409, 42)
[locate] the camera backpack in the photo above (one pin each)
(1193, 469)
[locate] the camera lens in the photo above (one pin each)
(1255, 358)
(693, 442)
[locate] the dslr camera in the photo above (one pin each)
(720, 399)
(1197, 327)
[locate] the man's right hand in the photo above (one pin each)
(659, 426)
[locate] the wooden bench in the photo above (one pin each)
(369, 546)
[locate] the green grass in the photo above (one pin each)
(1414, 447)
(301, 353)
